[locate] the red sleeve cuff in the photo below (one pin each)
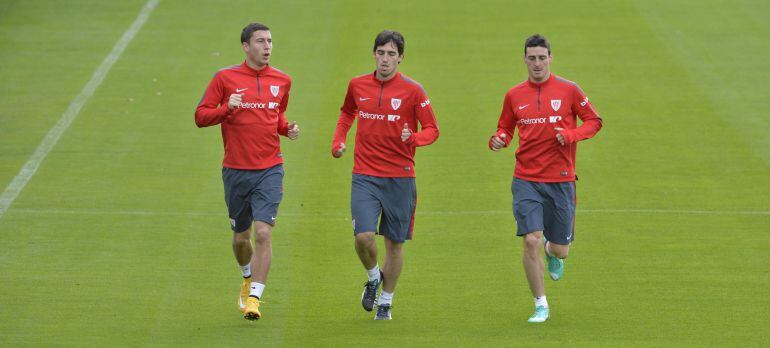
(226, 110)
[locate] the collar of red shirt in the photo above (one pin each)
(374, 77)
(260, 72)
(541, 84)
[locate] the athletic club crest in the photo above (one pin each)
(274, 91)
(395, 103)
(555, 104)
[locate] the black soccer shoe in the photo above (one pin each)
(369, 296)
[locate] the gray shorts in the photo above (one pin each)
(393, 198)
(252, 195)
(547, 207)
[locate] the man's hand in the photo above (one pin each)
(339, 151)
(559, 137)
(406, 133)
(293, 130)
(235, 100)
(498, 142)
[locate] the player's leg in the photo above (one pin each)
(260, 266)
(534, 269)
(261, 259)
(392, 264)
(236, 187)
(263, 252)
(365, 209)
(366, 249)
(397, 226)
(532, 260)
(243, 250)
(391, 269)
(528, 210)
(265, 199)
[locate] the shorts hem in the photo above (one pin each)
(522, 234)
(268, 221)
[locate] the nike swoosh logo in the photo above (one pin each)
(239, 90)
(363, 99)
(523, 107)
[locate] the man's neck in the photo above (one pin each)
(255, 66)
(387, 78)
(547, 76)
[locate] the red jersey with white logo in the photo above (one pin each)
(382, 108)
(250, 131)
(536, 109)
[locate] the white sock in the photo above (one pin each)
(386, 298)
(548, 248)
(373, 273)
(541, 301)
(257, 289)
(246, 270)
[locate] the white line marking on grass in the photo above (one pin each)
(30, 168)
(116, 212)
(425, 213)
(607, 211)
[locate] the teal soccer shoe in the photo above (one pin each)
(541, 314)
(555, 267)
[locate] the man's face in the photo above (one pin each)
(387, 59)
(538, 62)
(259, 48)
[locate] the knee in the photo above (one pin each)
(262, 235)
(242, 238)
(365, 239)
(532, 241)
(395, 250)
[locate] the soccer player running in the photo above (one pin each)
(249, 101)
(389, 106)
(545, 109)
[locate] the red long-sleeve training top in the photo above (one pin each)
(382, 109)
(250, 131)
(536, 109)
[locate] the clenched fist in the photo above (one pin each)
(339, 150)
(498, 142)
(235, 100)
(293, 130)
(406, 133)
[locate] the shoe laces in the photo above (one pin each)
(371, 284)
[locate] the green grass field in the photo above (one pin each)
(122, 238)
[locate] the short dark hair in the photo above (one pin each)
(537, 40)
(250, 29)
(386, 36)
